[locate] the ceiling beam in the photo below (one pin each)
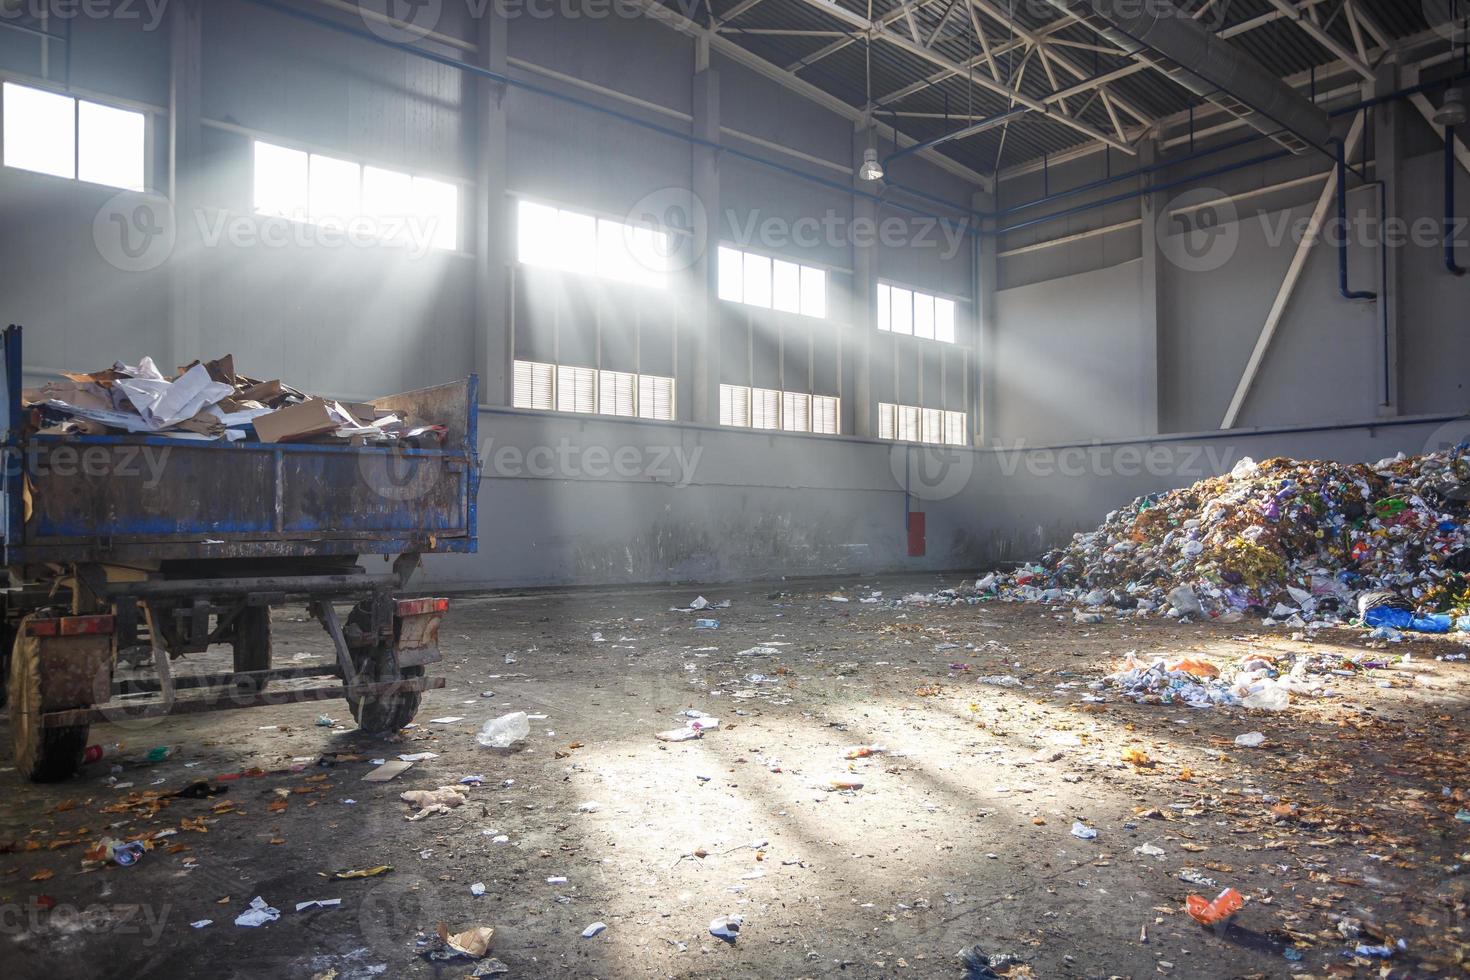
(1320, 34)
(861, 23)
(656, 11)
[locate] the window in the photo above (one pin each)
(765, 411)
(917, 314)
(574, 242)
(655, 398)
(796, 411)
(535, 385)
(565, 388)
(398, 208)
(617, 392)
(576, 389)
(909, 423)
(735, 405)
(825, 415)
(55, 134)
(789, 411)
(757, 280)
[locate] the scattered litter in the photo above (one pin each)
(1209, 913)
(387, 771)
(472, 943)
(451, 719)
(593, 929)
(418, 757)
(727, 927)
(1250, 740)
(318, 903)
(477, 889)
(432, 801)
(258, 914)
(505, 731)
(1081, 831)
(201, 923)
(373, 872)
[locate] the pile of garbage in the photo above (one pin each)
(1252, 683)
(209, 401)
(1294, 542)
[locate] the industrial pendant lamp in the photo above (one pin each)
(871, 168)
(1452, 112)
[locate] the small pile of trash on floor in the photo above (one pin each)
(1297, 543)
(209, 401)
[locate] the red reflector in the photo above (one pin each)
(44, 627)
(418, 607)
(86, 625)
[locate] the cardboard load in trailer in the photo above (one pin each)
(210, 401)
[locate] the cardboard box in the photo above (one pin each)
(294, 423)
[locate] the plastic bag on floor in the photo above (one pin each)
(505, 731)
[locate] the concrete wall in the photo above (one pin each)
(1076, 358)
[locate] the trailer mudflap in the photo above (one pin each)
(417, 631)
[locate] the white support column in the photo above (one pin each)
(705, 183)
(1150, 368)
(987, 269)
(864, 292)
(494, 222)
(1388, 129)
(185, 132)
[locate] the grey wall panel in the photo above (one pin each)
(633, 56)
(80, 311)
(1068, 357)
(270, 73)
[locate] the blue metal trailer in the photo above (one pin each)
(138, 549)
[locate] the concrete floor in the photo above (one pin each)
(960, 833)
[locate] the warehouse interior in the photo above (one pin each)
(827, 310)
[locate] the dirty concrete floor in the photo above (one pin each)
(960, 833)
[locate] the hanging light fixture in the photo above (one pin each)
(871, 168)
(1452, 112)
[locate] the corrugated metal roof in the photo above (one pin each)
(904, 82)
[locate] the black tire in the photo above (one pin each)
(386, 713)
(43, 755)
(252, 642)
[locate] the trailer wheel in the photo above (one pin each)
(385, 713)
(252, 642)
(43, 755)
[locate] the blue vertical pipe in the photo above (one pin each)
(1342, 225)
(1449, 203)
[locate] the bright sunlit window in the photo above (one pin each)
(399, 207)
(566, 388)
(111, 145)
(575, 242)
(909, 423)
(916, 314)
(758, 280)
(55, 134)
(789, 411)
